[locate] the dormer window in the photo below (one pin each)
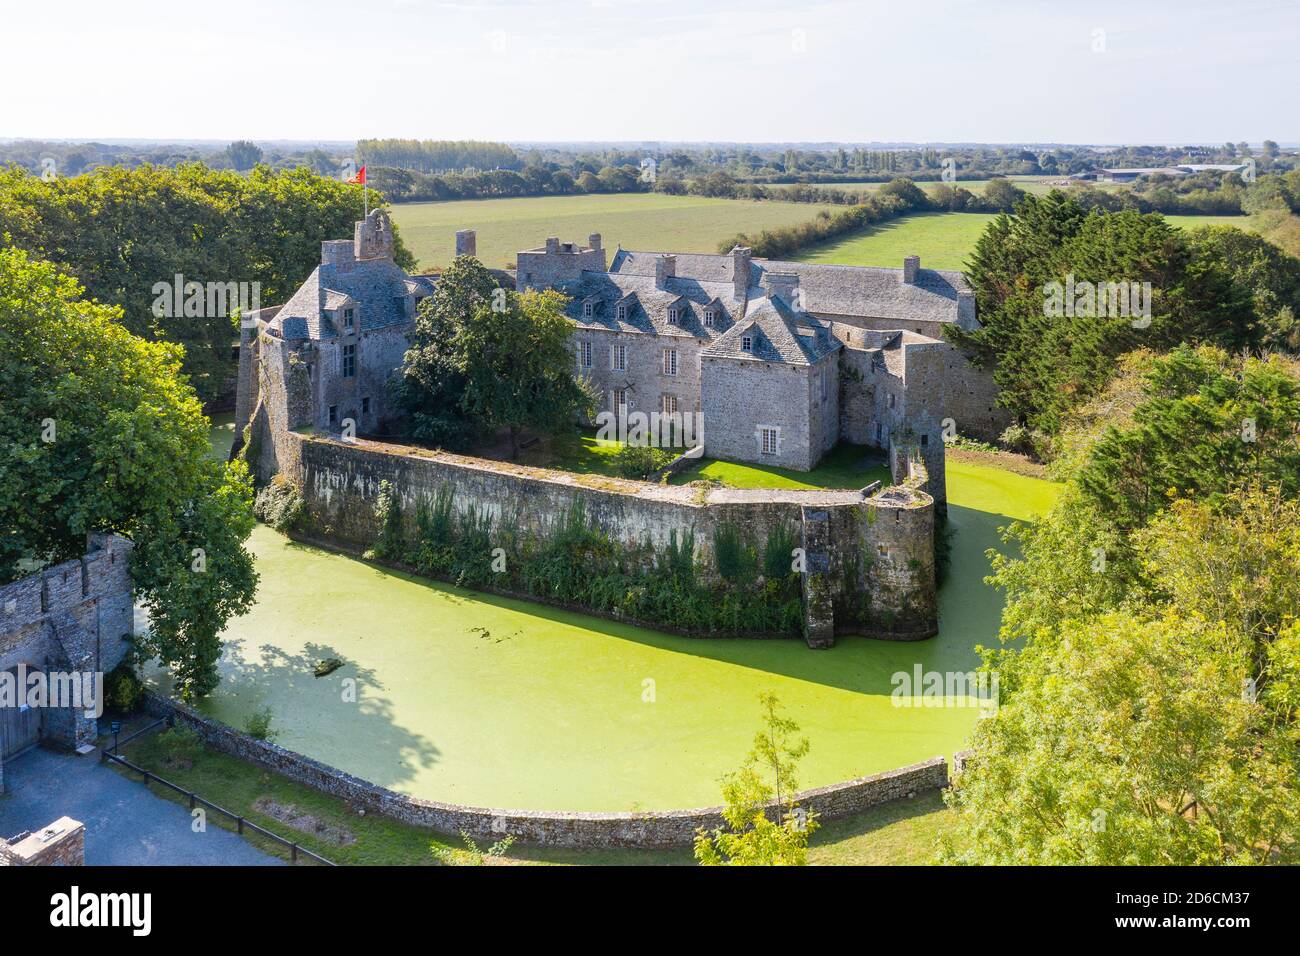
(349, 319)
(674, 315)
(621, 313)
(710, 317)
(747, 343)
(588, 309)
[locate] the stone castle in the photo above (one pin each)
(779, 361)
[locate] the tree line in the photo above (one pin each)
(121, 232)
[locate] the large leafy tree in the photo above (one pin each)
(495, 359)
(1151, 658)
(1208, 288)
(99, 432)
(120, 232)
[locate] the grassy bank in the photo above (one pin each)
(903, 832)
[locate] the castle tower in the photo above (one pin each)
(374, 237)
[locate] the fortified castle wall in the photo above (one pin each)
(869, 557)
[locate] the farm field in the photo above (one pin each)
(649, 221)
(943, 240)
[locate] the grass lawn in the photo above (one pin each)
(843, 467)
(943, 240)
(648, 221)
(902, 832)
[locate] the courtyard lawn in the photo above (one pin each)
(845, 466)
(648, 221)
(943, 240)
(487, 701)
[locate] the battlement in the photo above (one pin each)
(102, 572)
(558, 262)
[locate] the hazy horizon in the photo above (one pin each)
(645, 71)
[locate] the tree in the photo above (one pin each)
(766, 782)
(124, 233)
(484, 358)
(244, 154)
(102, 434)
(1150, 661)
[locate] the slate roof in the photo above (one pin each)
(378, 288)
(779, 333)
(650, 312)
(867, 291)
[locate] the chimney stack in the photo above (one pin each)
(665, 269)
(338, 252)
(740, 271)
(466, 243)
(911, 266)
(593, 240)
(552, 245)
(783, 286)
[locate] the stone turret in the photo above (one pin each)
(374, 237)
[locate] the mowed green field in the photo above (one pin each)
(647, 221)
(943, 240)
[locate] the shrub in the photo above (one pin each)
(181, 746)
(123, 689)
(258, 725)
(279, 504)
(640, 462)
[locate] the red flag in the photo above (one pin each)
(359, 179)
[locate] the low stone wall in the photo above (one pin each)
(651, 830)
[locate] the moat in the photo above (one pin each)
(478, 700)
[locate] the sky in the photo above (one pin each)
(1079, 71)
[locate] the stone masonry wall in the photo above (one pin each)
(879, 556)
(656, 829)
(62, 843)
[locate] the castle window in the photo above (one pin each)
(588, 309)
(365, 405)
(618, 358)
(618, 399)
(670, 361)
(893, 400)
(349, 361)
(621, 313)
(334, 414)
(674, 315)
(710, 316)
(747, 343)
(349, 319)
(770, 439)
(668, 404)
(925, 440)
(584, 354)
